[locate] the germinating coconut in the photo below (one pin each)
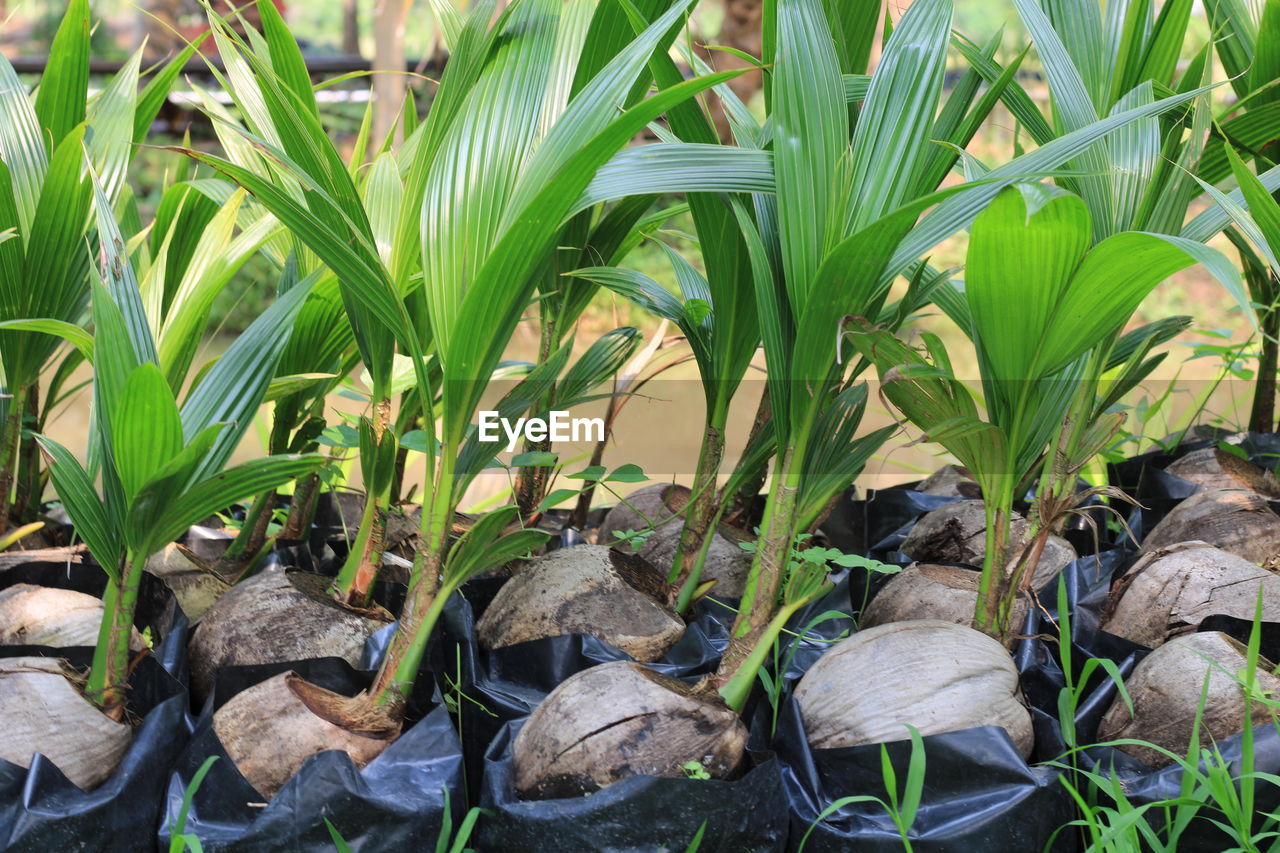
(727, 563)
(194, 585)
(33, 615)
(589, 589)
(1211, 468)
(1235, 520)
(44, 712)
(950, 481)
(277, 616)
(956, 533)
(622, 719)
(929, 591)
(1165, 688)
(934, 675)
(1169, 591)
(270, 729)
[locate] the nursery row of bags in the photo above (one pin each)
(529, 708)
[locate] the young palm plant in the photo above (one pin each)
(162, 466)
(493, 173)
(44, 207)
(1044, 329)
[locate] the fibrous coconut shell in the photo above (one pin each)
(1235, 520)
(618, 720)
(32, 615)
(1169, 591)
(277, 616)
(44, 712)
(950, 481)
(195, 587)
(589, 589)
(931, 591)
(270, 729)
(934, 675)
(955, 533)
(1211, 468)
(1165, 688)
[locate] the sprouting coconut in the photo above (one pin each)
(590, 589)
(622, 719)
(300, 720)
(1166, 686)
(276, 616)
(1235, 520)
(1211, 469)
(951, 481)
(934, 675)
(727, 563)
(45, 711)
(32, 615)
(930, 591)
(1170, 590)
(189, 579)
(955, 533)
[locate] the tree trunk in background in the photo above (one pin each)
(389, 79)
(741, 30)
(350, 28)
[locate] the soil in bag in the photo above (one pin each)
(397, 802)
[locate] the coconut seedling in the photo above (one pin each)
(1036, 371)
(162, 468)
(493, 173)
(44, 210)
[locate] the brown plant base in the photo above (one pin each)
(273, 727)
(1211, 469)
(44, 711)
(277, 616)
(1165, 689)
(955, 533)
(1235, 520)
(936, 676)
(1169, 591)
(33, 615)
(619, 720)
(928, 591)
(590, 589)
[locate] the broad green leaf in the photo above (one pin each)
(146, 431)
(82, 503)
(64, 87)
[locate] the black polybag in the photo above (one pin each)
(979, 794)
(41, 810)
(640, 814)
(494, 687)
(397, 802)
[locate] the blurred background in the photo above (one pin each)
(370, 53)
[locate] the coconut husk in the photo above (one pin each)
(930, 591)
(1236, 520)
(934, 675)
(68, 554)
(618, 720)
(1212, 469)
(45, 712)
(33, 615)
(1169, 591)
(273, 727)
(190, 580)
(643, 507)
(955, 533)
(278, 616)
(1165, 688)
(950, 481)
(590, 589)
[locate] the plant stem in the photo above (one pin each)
(1262, 417)
(994, 581)
(30, 485)
(303, 507)
(773, 550)
(354, 584)
(740, 503)
(531, 480)
(109, 673)
(426, 597)
(10, 445)
(690, 556)
(253, 533)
